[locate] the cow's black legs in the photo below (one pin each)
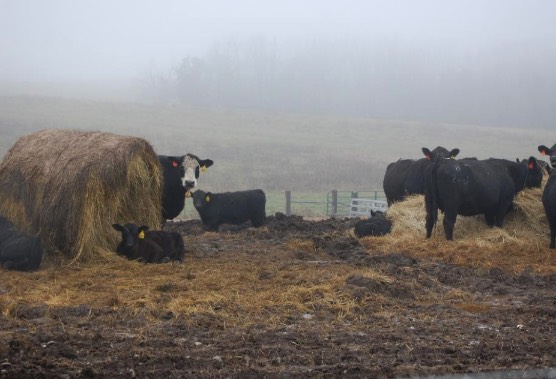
(552, 233)
(489, 218)
(430, 221)
(449, 222)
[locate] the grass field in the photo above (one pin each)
(276, 152)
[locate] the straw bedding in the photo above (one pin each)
(69, 186)
(522, 242)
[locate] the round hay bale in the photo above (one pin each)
(70, 186)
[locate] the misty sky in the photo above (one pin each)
(66, 40)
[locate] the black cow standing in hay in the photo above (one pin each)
(471, 187)
(18, 251)
(71, 185)
(407, 176)
(549, 194)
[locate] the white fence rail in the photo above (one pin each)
(363, 207)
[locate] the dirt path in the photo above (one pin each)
(293, 299)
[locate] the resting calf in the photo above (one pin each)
(18, 251)
(149, 246)
(377, 225)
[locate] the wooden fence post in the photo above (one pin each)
(288, 203)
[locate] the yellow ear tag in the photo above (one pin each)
(203, 168)
(207, 199)
(452, 157)
(141, 234)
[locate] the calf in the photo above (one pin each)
(376, 225)
(230, 207)
(471, 187)
(18, 251)
(180, 177)
(149, 246)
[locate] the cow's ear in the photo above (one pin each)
(531, 163)
(427, 153)
(544, 150)
(118, 227)
(454, 153)
(206, 163)
(517, 160)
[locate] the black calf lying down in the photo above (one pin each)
(230, 207)
(18, 251)
(155, 246)
(377, 225)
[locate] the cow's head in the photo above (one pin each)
(534, 172)
(201, 199)
(550, 153)
(439, 152)
(131, 234)
(192, 166)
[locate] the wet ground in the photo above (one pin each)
(322, 305)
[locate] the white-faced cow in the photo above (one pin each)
(180, 177)
(18, 251)
(230, 207)
(471, 187)
(407, 176)
(157, 246)
(549, 194)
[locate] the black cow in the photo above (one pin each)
(549, 203)
(472, 187)
(180, 177)
(230, 207)
(551, 153)
(549, 194)
(376, 225)
(407, 176)
(18, 251)
(149, 246)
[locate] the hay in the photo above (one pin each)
(69, 186)
(522, 242)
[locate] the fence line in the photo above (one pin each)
(336, 203)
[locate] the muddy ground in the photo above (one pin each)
(292, 299)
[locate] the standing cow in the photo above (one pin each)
(180, 177)
(230, 207)
(549, 194)
(18, 251)
(407, 176)
(472, 187)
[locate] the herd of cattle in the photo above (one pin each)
(469, 186)
(464, 187)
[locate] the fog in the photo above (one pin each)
(461, 61)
